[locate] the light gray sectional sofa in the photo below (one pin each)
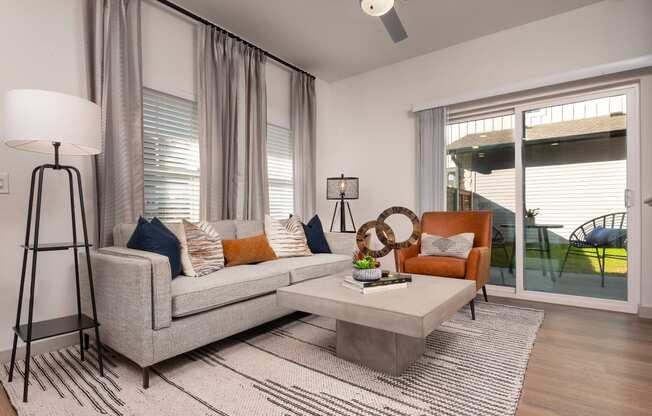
(148, 317)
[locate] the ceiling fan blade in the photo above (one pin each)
(394, 26)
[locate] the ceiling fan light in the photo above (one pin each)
(376, 7)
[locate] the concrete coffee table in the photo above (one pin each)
(385, 331)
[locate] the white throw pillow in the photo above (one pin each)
(186, 262)
(458, 245)
(287, 240)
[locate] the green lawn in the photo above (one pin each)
(574, 264)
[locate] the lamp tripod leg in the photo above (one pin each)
(350, 215)
(333, 219)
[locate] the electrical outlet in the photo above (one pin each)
(4, 182)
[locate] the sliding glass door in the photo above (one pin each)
(577, 177)
(481, 177)
(561, 177)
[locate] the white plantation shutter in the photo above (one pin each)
(280, 171)
(171, 156)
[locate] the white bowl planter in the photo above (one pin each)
(367, 275)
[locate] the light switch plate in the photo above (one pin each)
(4, 182)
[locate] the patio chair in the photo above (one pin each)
(601, 233)
(498, 241)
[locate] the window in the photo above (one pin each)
(171, 155)
(280, 171)
(481, 176)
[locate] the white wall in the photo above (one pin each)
(168, 41)
(370, 130)
(278, 94)
(41, 44)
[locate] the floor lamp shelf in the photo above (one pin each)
(56, 246)
(55, 327)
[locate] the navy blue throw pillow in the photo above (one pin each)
(315, 236)
(157, 238)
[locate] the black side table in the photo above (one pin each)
(35, 331)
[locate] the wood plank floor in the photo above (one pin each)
(584, 362)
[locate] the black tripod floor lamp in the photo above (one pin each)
(342, 189)
(59, 124)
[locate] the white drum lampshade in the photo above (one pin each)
(376, 7)
(35, 119)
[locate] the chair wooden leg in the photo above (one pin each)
(145, 377)
(472, 306)
(484, 293)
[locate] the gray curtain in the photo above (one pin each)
(255, 191)
(217, 96)
(304, 127)
(430, 160)
(232, 100)
(115, 78)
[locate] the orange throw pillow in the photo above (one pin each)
(247, 250)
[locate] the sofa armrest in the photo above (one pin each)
(478, 265)
(341, 243)
(134, 285)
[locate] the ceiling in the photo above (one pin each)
(334, 39)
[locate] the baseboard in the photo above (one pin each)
(41, 347)
(645, 312)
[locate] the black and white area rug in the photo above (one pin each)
(290, 368)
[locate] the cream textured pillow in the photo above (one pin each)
(458, 245)
(204, 247)
(180, 233)
(287, 240)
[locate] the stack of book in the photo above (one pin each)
(393, 281)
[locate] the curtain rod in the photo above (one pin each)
(232, 35)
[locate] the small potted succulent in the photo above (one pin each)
(531, 215)
(366, 268)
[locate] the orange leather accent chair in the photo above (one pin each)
(475, 267)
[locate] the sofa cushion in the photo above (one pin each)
(191, 295)
(226, 228)
(436, 266)
(249, 228)
(305, 268)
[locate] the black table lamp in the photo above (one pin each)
(340, 189)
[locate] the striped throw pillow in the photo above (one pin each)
(287, 240)
(204, 247)
(186, 261)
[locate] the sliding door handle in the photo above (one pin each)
(629, 198)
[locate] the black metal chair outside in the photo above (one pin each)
(498, 241)
(584, 238)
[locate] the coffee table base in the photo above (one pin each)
(381, 350)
